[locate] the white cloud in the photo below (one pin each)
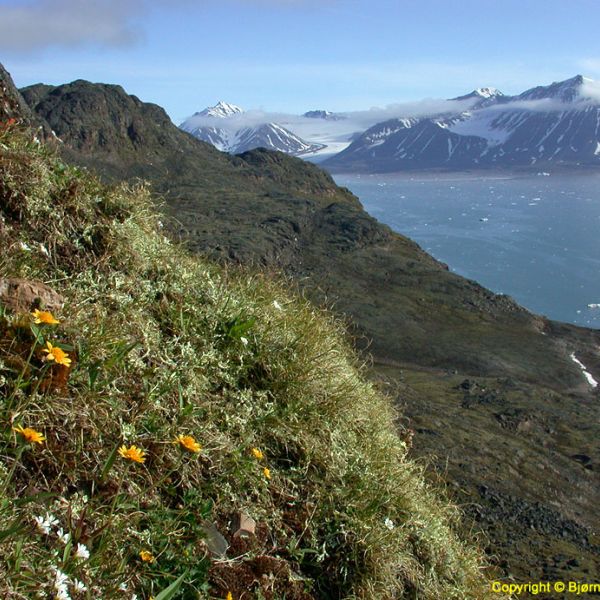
(68, 23)
(591, 89)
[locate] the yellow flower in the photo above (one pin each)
(42, 316)
(132, 453)
(57, 355)
(257, 453)
(188, 442)
(31, 435)
(229, 596)
(147, 556)
(267, 473)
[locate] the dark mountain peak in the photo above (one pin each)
(568, 90)
(323, 114)
(86, 114)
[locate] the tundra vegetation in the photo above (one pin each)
(162, 400)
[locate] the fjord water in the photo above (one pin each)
(535, 238)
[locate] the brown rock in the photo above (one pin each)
(246, 525)
(24, 295)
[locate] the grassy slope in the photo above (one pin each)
(421, 321)
(165, 344)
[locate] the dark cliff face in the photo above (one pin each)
(509, 433)
(13, 106)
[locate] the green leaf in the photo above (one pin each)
(238, 327)
(33, 498)
(16, 528)
(109, 461)
(93, 372)
(37, 332)
(123, 349)
(170, 592)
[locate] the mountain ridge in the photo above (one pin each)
(546, 127)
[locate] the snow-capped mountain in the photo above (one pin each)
(482, 97)
(221, 110)
(547, 126)
(273, 137)
(221, 126)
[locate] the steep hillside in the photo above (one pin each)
(170, 429)
(474, 370)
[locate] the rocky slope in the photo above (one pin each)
(547, 127)
(487, 386)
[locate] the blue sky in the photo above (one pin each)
(296, 55)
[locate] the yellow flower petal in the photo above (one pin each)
(133, 453)
(58, 355)
(267, 473)
(257, 453)
(31, 435)
(42, 316)
(147, 556)
(188, 442)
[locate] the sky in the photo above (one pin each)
(291, 56)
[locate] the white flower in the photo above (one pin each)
(79, 586)
(389, 523)
(63, 537)
(45, 524)
(24, 247)
(60, 585)
(60, 579)
(123, 587)
(277, 305)
(82, 552)
(244, 340)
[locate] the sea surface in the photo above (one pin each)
(535, 238)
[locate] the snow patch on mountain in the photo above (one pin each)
(481, 125)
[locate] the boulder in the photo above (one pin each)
(24, 295)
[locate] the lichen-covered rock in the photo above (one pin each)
(23, 295)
